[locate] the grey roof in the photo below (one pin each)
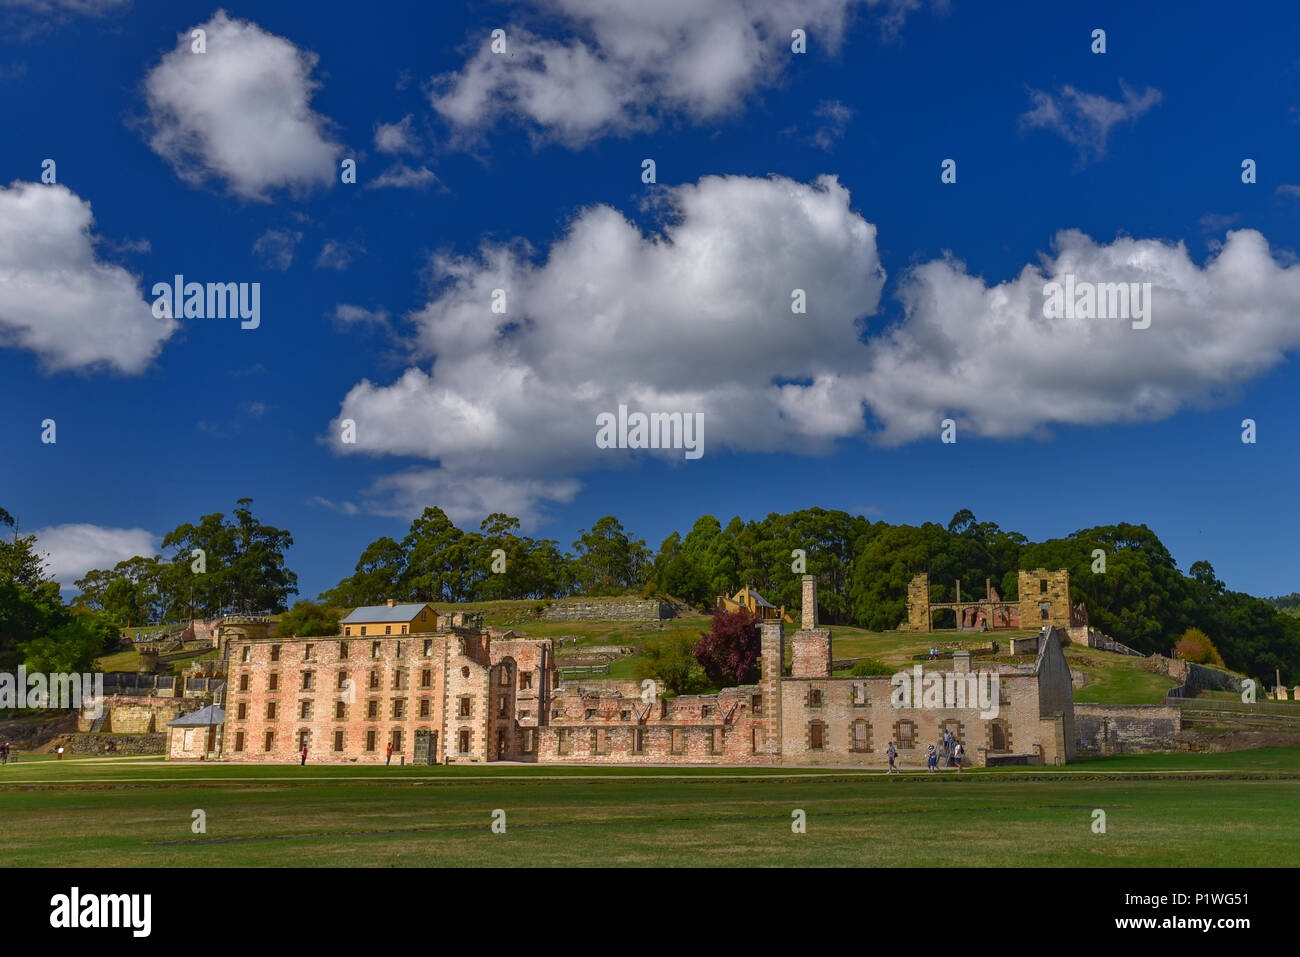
(760, 600)
(203, 718)
(384, 614)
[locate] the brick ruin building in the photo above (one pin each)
(443, 689)
(1044, 603)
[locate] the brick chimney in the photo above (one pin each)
(808, 612)
(391, 603)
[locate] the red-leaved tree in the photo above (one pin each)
(729, 652)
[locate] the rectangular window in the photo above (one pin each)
(403, 629)
(816, 735)
(304, 710)
(597, 740)
(638, 741)
(344, 648)
(678, 744)
(464, 706)
(275, 652)
(814, 697)
(715, 741)
(504, 680)
(425, 705)
(401, 648)
(242, 711)
(399, 708)
(273, 682)
(756, 741)
(756, 705)
(528, 742)
(426, 678)
(239, 742)
(270, 741)
(375, 648)
(363, 630)
(525, 680)
(347, 631)
(307, 652)
(388, 629)
(340, 710)
(1042, 586)
(247, 654)
(270, 711)
(503, 705)
(343, 680)
(374, 680)
(399, 679)
(428, 647)
(306, 680)
(372, 709)
(243, 682)
(370, 739)
(338, 740)
(564, 741)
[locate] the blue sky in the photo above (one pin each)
(523, 171)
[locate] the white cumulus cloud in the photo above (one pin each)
(624, 65)
(72, 550)
(241, 112)
(696, 317)
(58, 299)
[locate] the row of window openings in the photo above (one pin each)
(816, 697)
(345, 648)
(464, 709)
(600, 740)
(399, 680)
(527, 740)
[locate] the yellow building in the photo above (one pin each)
(390, 619)
(751, 601)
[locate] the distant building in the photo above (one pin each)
(750, 600)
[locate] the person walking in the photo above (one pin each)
(948, 740)
(892, 753)
(304, 756)
(931, 759)
(389, 758)
(60, 752)
(958, 753)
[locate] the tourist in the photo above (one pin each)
(60, 752)
(931, 759)
(958, 753)
(892, 752)
(389, 758)
(304, 756)
(948, 740)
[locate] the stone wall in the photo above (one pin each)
(918, 604)
(1101, 729)
(113, 743)
(607, 609)
(1039, 587)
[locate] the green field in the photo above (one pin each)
(1230, 810)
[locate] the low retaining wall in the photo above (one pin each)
(113, 743)
(608, 609)
(1126, 729)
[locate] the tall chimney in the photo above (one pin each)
(809, 610)
(391, 602)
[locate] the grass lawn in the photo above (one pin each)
(1232, 810)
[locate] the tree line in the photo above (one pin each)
(862, 567)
